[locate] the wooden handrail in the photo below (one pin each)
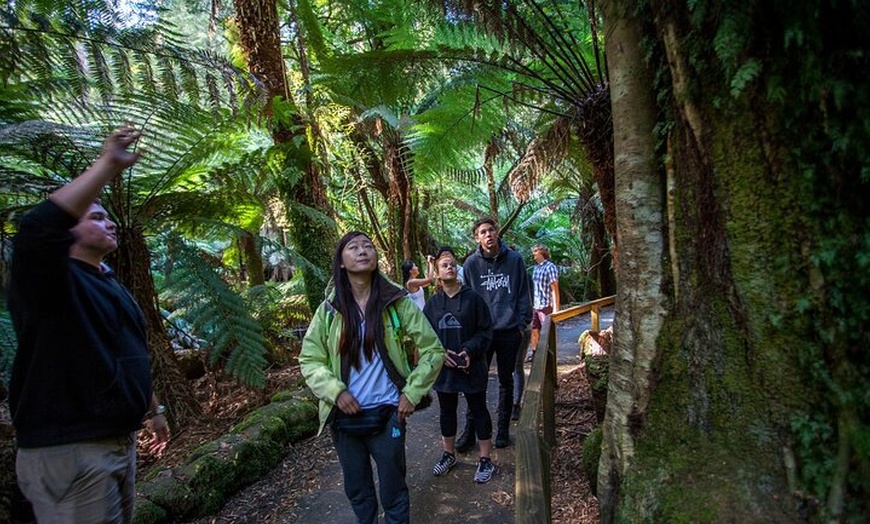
(593, 306)
(536, 434)
(536, 430)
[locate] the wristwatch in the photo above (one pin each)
(161, 409)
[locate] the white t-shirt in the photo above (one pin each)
(418, 297)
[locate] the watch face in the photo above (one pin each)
(161, 409)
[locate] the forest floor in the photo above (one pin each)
(307, 483)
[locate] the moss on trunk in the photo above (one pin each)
(755, 410)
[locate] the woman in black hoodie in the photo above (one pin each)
(462, 321)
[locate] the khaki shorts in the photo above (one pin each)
(91, 481)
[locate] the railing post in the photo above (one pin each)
(549, 387)
(593, 314)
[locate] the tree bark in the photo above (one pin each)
(640, 237)
(253, 263)
(132, 263)
(260, 39)
(736, 388)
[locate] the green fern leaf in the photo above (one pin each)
(217, 314)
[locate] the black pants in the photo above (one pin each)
(504, 346)
(448, 403)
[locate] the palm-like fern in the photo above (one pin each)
(174, 186)
(83, 48)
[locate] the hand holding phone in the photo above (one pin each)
(459, 360)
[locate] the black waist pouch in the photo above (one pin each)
(365, 423)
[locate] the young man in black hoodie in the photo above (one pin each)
(81, 380)
(498, 274)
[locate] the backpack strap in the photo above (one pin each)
(394, 318)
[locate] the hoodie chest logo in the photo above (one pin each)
(449, 321)
(493, 281)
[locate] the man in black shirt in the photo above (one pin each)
(81, 380)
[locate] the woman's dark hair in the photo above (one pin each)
(344, 303)
(406, 271)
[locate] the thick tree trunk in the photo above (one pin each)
(735, 383)
(132, 263)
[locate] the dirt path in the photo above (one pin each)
(307, 488)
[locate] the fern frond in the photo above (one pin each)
(543, 155)
(87, 49)
(217, 315)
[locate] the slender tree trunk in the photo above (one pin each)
(250, 247)
(488, 167)
(595, 238)
(399, 199)
(639, 303)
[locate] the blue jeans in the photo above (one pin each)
(355, 455)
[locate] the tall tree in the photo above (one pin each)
(738, 380)
(312, 228)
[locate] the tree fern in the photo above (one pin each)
(219, 315)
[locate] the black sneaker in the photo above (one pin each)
(465, 441)
(485, 470)
(515, 412)
(448, 460)
(502, 439)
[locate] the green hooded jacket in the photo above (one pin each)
(320, 361)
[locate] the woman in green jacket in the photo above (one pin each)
(355, 358)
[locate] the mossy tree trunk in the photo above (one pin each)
(736, 382)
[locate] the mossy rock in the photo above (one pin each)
(594, 348)
(591, 455)
(254, 459)
(280, 422)
(148, 512)
(210, 479)
(168, 492)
